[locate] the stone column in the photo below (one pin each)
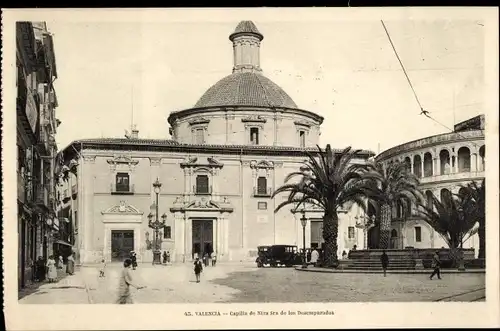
(473, 162)
(435, 168)
(412, 165)
(454, 161)
(422, 173)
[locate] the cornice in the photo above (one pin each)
(176, 115)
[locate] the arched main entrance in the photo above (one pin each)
(394, 239)
(373, 237)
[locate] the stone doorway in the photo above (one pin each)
(202, 238)
(122, 242)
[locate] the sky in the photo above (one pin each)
(345, 71)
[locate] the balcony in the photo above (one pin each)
(21, 188)
(202, 190)
(65, 195)
(261, 193)
(459, 176)
(122, 189)
(74, 190)
(42, 196)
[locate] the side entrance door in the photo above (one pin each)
(122, 242)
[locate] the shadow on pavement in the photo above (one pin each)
(34, 288)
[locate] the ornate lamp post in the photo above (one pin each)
(303, 222)
(156, 225)
(368, 223)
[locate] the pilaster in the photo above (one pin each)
(88, 205)
(179, 236)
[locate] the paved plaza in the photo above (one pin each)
(238, 282)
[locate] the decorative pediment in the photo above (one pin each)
(123, 208)
(202, 204)
(263, 164)
(198, 121)
(254, 119)
(194, 162)
(122, 159)
(306, 124)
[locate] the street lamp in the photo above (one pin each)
(156, 225)
(303, 222)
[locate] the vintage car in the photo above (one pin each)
(262, 256)
(278, 255)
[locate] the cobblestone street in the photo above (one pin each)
(245, 283)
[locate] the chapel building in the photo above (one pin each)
(216, 188)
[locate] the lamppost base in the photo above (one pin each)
(157, 257)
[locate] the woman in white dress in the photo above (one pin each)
(51, 269)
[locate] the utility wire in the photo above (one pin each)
(402, 66)
(423, 112)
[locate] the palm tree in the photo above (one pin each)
(475, 195)
(397, 187)
(452, 219)
(329, 183)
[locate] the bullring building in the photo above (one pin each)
(444, 164)
(216, 188)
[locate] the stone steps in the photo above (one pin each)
(373, 264)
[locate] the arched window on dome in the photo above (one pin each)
(302, 138)
(254, 136)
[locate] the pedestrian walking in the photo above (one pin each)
(436, 265)
(164, 257)
(384, 259)
(60, 265)
(40, 269)
(344, 255)
(168, 257)
(205, 259)
(314, 257)
(70, 267)
(214, 259)
(124, 295)
(133, 258)
(198, 268)
(51, 269)
(102, 270)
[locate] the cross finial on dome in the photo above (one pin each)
(246, 40)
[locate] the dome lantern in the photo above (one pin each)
(246, 40)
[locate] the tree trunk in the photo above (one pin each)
(330, 233)
(482, 239)
(455, 254)
(385, 226)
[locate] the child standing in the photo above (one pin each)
(198, 268)
(103, 268)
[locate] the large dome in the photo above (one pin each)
(245, 89)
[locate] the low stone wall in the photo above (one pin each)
(421, 257)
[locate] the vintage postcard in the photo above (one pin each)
(250, 168)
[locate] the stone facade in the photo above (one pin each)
(36, 149)
(241, 212)
(442, 162)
